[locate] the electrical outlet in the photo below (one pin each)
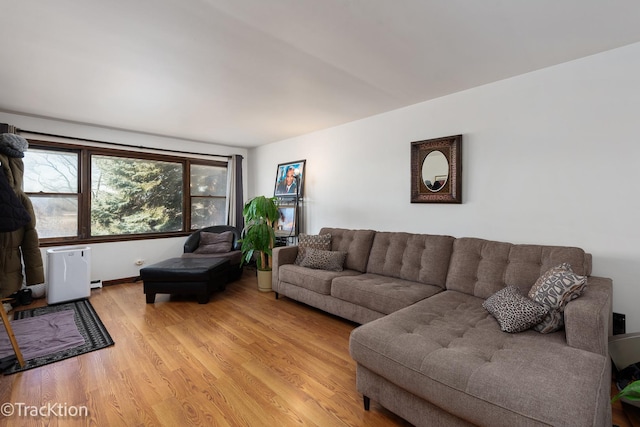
(139, 261)
(619, 323)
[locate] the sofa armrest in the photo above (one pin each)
(192, 243)
(282, 255)
(589, 318)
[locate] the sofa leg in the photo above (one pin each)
(367, 402)
(276, 295)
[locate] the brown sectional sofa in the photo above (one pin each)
(428, 350)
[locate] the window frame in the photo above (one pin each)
(84, 190)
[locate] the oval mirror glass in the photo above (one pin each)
(435, 171)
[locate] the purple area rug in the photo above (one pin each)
(69, 329)
(42, 335)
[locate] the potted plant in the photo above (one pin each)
(630, 393)
(258, 236)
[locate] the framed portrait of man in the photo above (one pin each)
(289, 179)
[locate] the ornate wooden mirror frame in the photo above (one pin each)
(436, 170)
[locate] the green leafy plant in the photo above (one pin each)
(630, 392)
(258, 235)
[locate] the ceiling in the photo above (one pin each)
(249, 72)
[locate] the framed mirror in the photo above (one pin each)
(436, 170)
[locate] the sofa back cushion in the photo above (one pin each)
(420, 258)
(356, 243)
(482, 267)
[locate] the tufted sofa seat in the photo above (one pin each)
(429, 351)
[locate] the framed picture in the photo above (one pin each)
(287, 225)
(436, 170)
(290, 179)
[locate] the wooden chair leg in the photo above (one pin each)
(12, 337)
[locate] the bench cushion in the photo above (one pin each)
(184, 269)
(380, 293)
(318, 281)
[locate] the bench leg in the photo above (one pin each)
(151, 298)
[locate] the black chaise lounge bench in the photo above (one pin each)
(185, 276)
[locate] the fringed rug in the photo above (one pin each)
(65, 342)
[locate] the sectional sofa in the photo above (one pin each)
(428, 350)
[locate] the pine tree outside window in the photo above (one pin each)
(85, 194)
(134, 196)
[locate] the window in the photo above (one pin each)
(51, 180)
(133, 196)
(208, 195)
(97, 194)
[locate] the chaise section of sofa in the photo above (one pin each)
(449, 353)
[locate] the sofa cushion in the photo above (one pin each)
(318, 281)
(421, 258)
(214, 243)
(315, 241)
(356, 243)
(380, 293)
(513, 311)
(448, 350)
(323, 260)
(554, 289)
(482, 267)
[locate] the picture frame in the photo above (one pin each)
(290, 186)
(287, 223)
(436, 170)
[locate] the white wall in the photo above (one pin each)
(550, 157)
(110, 261)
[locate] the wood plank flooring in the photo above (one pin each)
(243, 359)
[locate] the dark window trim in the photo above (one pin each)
(84, 190)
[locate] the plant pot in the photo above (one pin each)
(264, 280)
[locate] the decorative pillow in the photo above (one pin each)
(323, 260)
(214, 243)
(315, 241)
(513, 311)
(554, 289)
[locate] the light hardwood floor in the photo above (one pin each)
(243, 359)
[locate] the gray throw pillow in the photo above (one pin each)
(324, 260)
(554, 289)
(214, 243)
(315, 241)
(514, 311)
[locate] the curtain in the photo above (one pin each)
(235, 198)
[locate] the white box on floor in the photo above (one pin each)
(68, 274)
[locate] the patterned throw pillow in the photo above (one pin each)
(513, 311)
(323, 260)
(214, 243)
(554, 289)
(315, 241)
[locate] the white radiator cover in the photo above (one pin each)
(68, 274)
